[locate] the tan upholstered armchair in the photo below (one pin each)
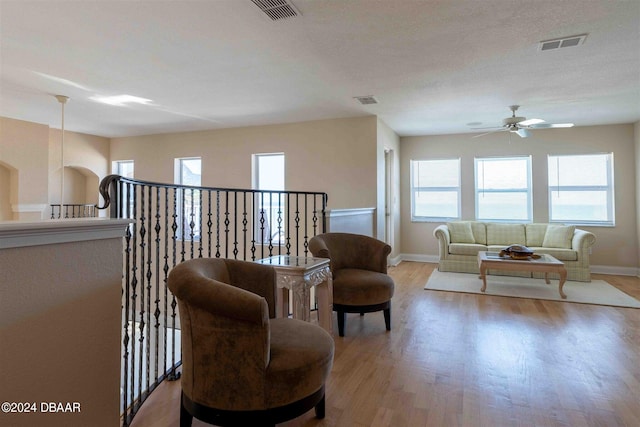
(240, 365)
(360, 280)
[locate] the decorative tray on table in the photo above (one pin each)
(518, 252)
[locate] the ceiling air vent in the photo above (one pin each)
(563, 42)
(277, 9)
(367, 100)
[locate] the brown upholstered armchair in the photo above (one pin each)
(240, 365)
(360, 280)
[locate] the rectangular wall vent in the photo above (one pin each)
(277, 9)
(366, 100)
(563, 42)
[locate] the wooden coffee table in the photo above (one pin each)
(545, 264)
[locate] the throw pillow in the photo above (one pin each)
(558, 236)
(535, 234)
(461, 232)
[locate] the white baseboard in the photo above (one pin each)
(419, 258)
(599, 269)
(620, 271)
(395, 260)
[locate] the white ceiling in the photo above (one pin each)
(434, 66)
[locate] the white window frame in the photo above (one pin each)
(117, 167)
(556, 188)
(481, 188)
(185, 214)
(416, 188)
(275, 232)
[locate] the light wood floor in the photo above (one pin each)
(454, 359)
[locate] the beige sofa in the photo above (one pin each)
(459, 243)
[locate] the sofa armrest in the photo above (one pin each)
(441, 233)
(581, 242)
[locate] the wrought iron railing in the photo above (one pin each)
(73, 211)
(172, 223)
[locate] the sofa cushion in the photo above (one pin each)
(558, 253)
(558, 236)
(300, 361)
(535, 234)
(352, 286)
(460, 232)
(505, 234)
(466, 248)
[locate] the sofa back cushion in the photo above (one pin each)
(535, 234)
(505, 234)
(558, 236)
(460, 232)
(479, 230)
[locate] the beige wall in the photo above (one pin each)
(613, 247)
(23, 147)
(60, 328)
(343, 157)
(334, 156)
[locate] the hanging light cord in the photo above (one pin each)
(62, 100)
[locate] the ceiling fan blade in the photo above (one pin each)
(488, 127)
(551, 125)
(487, 133)
(523, 133)
(530, 122)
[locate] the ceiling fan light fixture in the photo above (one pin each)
(511, 121)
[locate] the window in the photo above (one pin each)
(581, 189)
(123, 168)
(435, 189)
(503, 189)
(188, 172)
(268, 174)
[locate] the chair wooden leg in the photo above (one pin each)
(387, 318)
(341, 321)
(185, 417)
(320, 410)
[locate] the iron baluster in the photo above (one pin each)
(217, 224)
(209, 224)
(156, 312)
(226, 224)
(235, 225)
(244, 224)
(165, 269)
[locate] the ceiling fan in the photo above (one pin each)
(522, 125)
